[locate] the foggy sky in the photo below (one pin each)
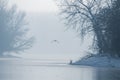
(45, 25)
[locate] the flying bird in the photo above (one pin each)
(54, 41)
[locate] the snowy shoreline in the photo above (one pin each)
(98, 61)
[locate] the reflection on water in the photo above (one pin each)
(22, 70)
(108, 74)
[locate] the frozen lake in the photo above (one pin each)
(51, 70)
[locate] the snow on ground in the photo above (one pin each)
(98, 61)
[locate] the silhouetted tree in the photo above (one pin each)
(13, 32)
(110, 18)
(81, 15)
(98, 16)
(114, 27)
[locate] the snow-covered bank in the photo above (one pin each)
(98, 61)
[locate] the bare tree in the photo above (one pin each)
(13, 31)
(82, 15)
(110, 17)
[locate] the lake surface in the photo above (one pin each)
(51, 70)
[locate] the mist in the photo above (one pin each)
(45, 25)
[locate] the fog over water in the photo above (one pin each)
(46, 26)
(54, 49)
